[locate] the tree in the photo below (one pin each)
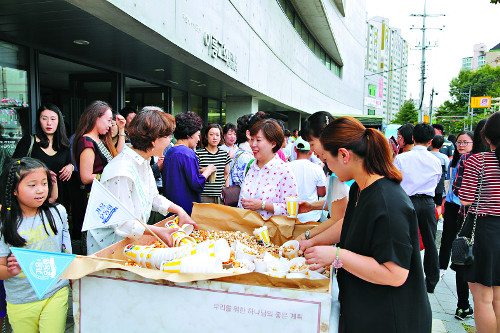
(407, 114)
(481, 82)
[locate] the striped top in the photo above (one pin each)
(220, 160)
(489, 203)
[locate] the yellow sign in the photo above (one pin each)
(426, 119)
(480, 102)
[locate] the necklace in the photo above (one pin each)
(359, 190)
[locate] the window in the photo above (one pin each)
(371, 112)
(371, 89)
(307, 37)
(14, 112)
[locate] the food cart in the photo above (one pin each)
(111, 297)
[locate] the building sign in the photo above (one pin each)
(372, 102)
(480, 102)
(217, 49)
(380, 87)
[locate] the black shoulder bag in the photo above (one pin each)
(461, 248)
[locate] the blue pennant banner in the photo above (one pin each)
(42, 268)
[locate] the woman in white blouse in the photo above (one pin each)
(130, 178)
(269, 180)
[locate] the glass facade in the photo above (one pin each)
(179, 101)
(14, 112)
(308, 38)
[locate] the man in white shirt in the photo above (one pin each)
(421, 173)
(311, 180)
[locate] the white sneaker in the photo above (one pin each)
(442, 272)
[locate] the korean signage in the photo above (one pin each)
(372, 102)
(480, 102)
(217, 49)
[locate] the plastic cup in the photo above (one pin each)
(290, 249)
(262, 235)
(292, 206)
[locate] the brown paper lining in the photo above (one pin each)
(209, 217)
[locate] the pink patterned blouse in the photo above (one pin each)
(273, 183)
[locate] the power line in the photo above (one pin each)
(424, 46)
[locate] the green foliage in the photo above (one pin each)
(407, 114)
(494, 1)
(482, 82)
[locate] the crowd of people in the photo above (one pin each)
(378, 200)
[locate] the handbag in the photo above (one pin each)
(462, 247)
(231, 194)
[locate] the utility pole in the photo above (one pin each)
(430, 106)
(423, 47)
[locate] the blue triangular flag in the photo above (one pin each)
(42, 268)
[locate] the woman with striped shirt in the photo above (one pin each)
(484, 274)
(212, 154)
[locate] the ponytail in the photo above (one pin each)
(378, 158)
(367, 143)
(491, 131)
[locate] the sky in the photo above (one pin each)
(467, 22)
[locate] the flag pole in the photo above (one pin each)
(100, 258)
(151, 231)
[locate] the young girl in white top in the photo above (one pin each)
(28, 220)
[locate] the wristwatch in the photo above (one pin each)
(263, 206)
(307, 234)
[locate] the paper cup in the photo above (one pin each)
(172, 223)
(137, 253)
(290, 249)
(187, 228)
(292, 206)
(193, 264)
(173, 266)
(262, 235)
(298, 265)
(260, 265)
(212, 177)
(315, 275)
(296, 276)
(218, 249)
(243, 265)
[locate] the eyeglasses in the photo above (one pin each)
(463, 143)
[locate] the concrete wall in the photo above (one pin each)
(272, 60)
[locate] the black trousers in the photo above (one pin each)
(450, 231)
(427, 223)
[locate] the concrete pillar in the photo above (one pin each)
(237, 106)
(293, 120)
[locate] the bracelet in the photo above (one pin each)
(263, 206)
(124, 135)
(337, 263)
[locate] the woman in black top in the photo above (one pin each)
(380, 274)
(49, 145)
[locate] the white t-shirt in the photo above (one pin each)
(309, 176)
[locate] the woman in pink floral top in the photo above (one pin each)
(269, 180)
